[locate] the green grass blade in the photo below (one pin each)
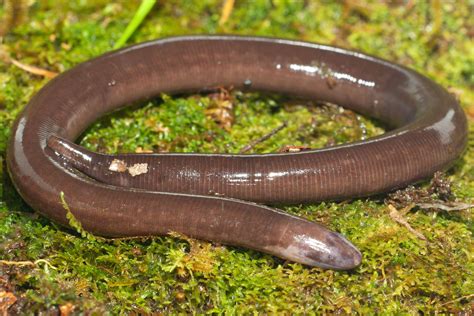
(140, 14)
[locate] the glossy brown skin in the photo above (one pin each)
(201, 195)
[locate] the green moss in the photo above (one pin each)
(399, 273)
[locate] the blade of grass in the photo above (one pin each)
(140, 14)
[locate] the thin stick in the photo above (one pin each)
(263, 138)
(397, 217)
(33, 69)
(27, 263)
(447, 206)
(140, 14)
(226, 11)
(436, 25)
(458, 299)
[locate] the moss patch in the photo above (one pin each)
(399, 273)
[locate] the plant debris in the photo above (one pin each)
(438, 195)
(447, 206)
(27, 263)
(221, 108)
(259, 140)
(226, 11)
(34, 70)
(5, 57)
(399, 218)
(66, 309)
(7, 299)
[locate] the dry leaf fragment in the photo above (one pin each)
(221, 108)
(7, 299)
(66, 309)
(397, 217)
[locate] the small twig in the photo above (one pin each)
(437, 16)
(33, 69)
(263, 138)
(448, 207)
(17, 263)
(140, 15)
(397, 217)
(27, 263)
(458, 299)
(6, 58)
(45, 262)
(226, 11)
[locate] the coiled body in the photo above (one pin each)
(202, 195)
